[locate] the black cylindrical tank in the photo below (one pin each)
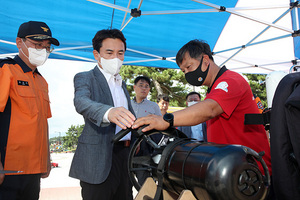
(214, 171)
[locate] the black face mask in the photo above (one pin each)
(197, 77)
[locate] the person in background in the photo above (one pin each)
(229, 98)
(259, 103)
(24, 110)
(163, 103)
(102, 99)
(143, 107)
(198, 131)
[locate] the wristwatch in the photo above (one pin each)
(169, 117)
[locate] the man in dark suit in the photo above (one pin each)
(102, 99)
(197, 132)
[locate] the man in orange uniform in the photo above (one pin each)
(24, 109)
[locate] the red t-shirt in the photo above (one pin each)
(234, 95)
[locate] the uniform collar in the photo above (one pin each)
(23, 65)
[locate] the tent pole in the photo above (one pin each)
(110, 5)
(138, 8)
(254, 43)
(121, 29)
(72, 56)
(143, 53)
(244, 16)
(250, 42)
(169, 12)
(7, 42)
(125, 15)
(295, 18)
(295, 26)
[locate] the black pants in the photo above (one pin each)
(20, 187)
(117, 185)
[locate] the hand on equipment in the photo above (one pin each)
(153, 122)
(121, 117)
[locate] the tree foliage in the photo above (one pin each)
(173, 83)
(258, 86)
(168, 81)
(71, 138)
(55, 139)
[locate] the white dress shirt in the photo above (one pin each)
(118, 95)
(197, 132)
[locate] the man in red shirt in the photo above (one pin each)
(228, 99)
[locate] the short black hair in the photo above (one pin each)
(137, 79)
(107, 33)
(165, 97)
(195, 48)
(191, 93)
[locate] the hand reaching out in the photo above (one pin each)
(153, 121)
(121, 117)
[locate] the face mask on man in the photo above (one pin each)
(36, 57)
(111, 66)
(190, 103)
(197, 77)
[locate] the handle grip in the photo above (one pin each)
(120, 134)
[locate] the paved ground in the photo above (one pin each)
(59, 186)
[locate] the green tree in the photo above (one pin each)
(173, 83)
(71, 138)
(168, 81)
(54, 140)
(258, 87)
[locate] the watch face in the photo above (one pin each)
(168, 116)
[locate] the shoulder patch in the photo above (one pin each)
(6, 61)
(223, 86)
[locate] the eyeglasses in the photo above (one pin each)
(39, 46)
(144, 86)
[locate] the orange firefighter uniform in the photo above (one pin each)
(24, 109)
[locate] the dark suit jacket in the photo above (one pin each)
(93, 157)
(188, 131)
(285, 138)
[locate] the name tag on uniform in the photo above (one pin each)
(23, 83)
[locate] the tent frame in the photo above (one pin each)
(134, 13)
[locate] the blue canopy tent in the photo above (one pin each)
(155, 30)
(247, 36)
